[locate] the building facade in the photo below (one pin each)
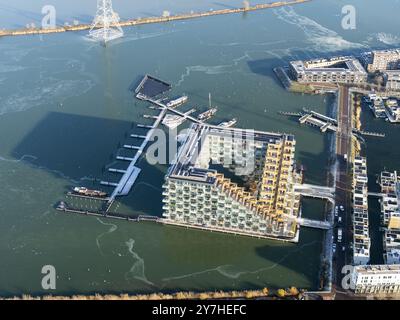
(333, 70)
(390, 208)
(384, 60)
(361, 239)
(392, 79)
(376, 279)
(392, 109)
(257, 199)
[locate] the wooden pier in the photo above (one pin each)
(111, 215)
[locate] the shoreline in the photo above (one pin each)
(264, 294)
(151, 20)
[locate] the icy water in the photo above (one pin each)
(66, 108)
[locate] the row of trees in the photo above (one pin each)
(248, 294)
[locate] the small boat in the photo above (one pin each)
(228, 124)
(62, 206)
(177, 102)
(207, 115)
(89, 193)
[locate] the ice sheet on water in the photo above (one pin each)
(319, 37)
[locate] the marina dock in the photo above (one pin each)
(132, 172)
(325, 123)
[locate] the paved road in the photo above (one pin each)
(343, 179)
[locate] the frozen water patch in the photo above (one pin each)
(228, 271)
(127, 38)
(320, 37)
(388, 38)
(210, 70)
(5, 68)
(25, 156)
(45, 92)
(213, 70)
(112, 228)
(137, 271)
(16, 54)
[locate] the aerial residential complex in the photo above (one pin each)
(264, 205)
(362, 241)
(384, 60)
(392, 79)
(390, 206)
(377, 279)
(334, 70)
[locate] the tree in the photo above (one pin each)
(294, 291)
(281, 293)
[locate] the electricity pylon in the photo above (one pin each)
(105, 26)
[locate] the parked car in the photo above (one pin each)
(340, 220)
(340, 234)
(341, 208)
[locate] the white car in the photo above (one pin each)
(339, 235)
(341, 208)
(340, 219)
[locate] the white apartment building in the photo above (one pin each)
(390, 208)
(384, 60)
(376, 279)
(361, 239)
(392, 78)
(200, 196)
(333, 70)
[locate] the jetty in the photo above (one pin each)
(151, 20)
(325, 123)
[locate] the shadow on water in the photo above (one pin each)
(82, 149)
(303, 258)
(75, 145)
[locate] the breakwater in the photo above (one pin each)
(149, 20)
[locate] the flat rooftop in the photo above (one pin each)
(184, 165)
(381, 269)
(335, 64)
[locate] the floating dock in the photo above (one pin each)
(325, 123)
(151, 87)
(132, 172)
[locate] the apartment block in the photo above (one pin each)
(361, 239)
(392, 80)
(334, 70)
(376, 279)
(390, 208)
(384, 60)
(235, 181)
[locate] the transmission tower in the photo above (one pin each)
(105, 26)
